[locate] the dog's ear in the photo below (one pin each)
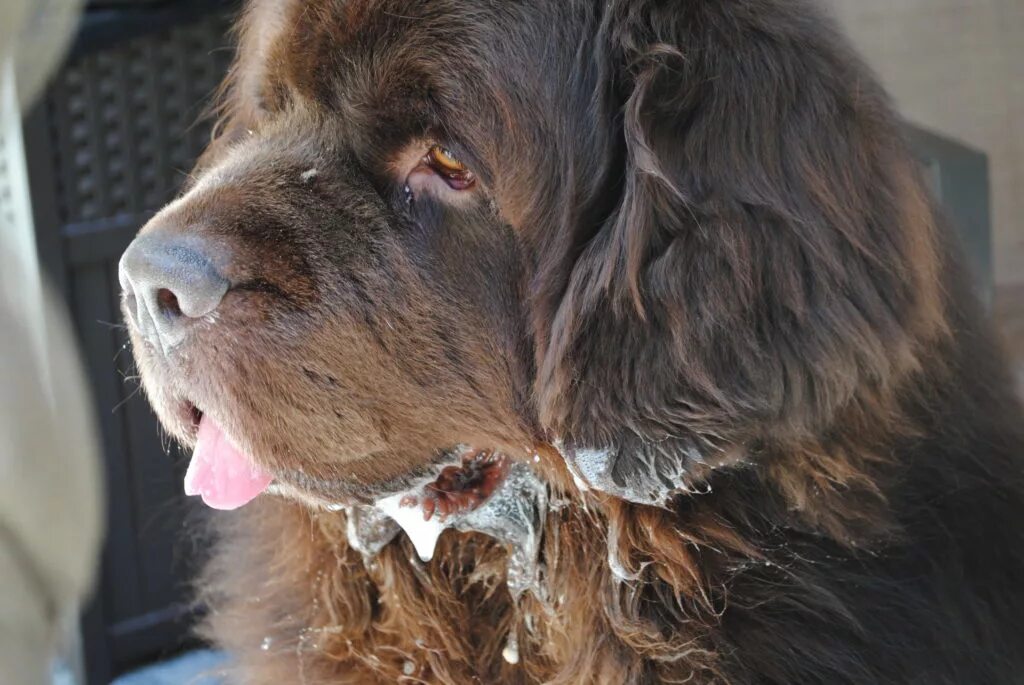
(770, 264)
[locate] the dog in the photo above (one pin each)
(579, 342)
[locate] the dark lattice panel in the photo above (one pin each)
(109, 144)
(126, 122)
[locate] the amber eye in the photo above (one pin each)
(444, 159)
(443, 162)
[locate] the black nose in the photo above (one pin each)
(168, 281)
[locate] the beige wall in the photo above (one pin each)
(957, 67)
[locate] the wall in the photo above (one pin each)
(957, 67)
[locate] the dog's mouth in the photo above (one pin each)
(219, 472)
(461, 479)
(465, 489)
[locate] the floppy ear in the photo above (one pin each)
(771, 263)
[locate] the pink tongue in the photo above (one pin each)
(224, 477)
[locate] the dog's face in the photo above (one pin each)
(483, 223)
(360, 205)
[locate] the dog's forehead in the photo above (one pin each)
(358, 52)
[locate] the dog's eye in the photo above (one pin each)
(446, 165)
(437, 173)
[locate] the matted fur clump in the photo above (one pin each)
(673, 257)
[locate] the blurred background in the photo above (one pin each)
(89, 155)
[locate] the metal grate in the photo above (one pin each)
(126, 122)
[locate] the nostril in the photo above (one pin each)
(169, 280)
(167, 302)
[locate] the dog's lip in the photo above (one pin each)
(189, 416)
(333, 494)
(195, 416)
(338, 493)
(329, 493)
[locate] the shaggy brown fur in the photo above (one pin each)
(697, 239)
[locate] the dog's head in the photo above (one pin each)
(670, 234)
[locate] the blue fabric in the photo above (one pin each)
(194, 668)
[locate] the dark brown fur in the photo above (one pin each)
(697, 231)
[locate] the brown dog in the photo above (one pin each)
(640, 302)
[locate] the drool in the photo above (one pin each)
(478, 491)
